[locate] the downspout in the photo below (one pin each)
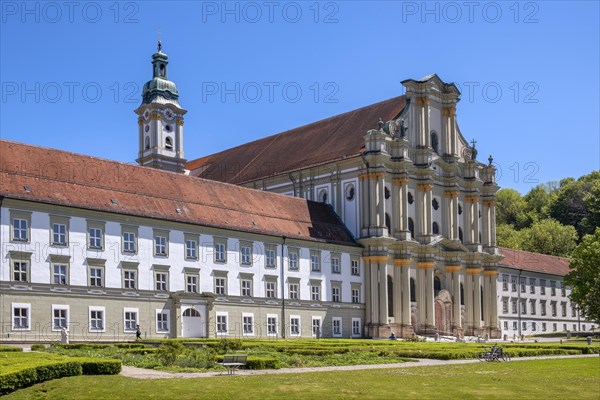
(281, 274)
(2, 297)
(519, 308)
(293, 187)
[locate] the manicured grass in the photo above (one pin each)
(536, 379)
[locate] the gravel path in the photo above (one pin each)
(141, 373)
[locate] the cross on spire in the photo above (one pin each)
(159, 43)
(473, 142)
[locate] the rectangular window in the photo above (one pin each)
(20, 271)
(532, 285)
(95, 238)
(269, 256)
(59, 274)
(505, 325)
(335, 265)
(294, 325)
(130, 319)
(573, 312)
(294, 290)
(523, 288)
(315, 261)
(316, 327)
(504, 282)
(513, 283)
(354, 266)
(191, 283)
(20, 316)
(542, 308)
(335, 294)
(563, 290)
(356, 324)
(161, 281)
(248, 324)
(563, 307)
(271, 325)
(97, 319)
(523, 307)
(220, 252)
(542, 286)
(523, 326)
(505, 306)
(59, 234)
(221, 323)
(514, 306)
(96, 276)
(129, 242)
(355, 295)
(293, 259)
(514, 325)
(553, 307)
(543, 327)
(554, 327)
(59, 318)
(315, 293)
(336, 326)
(160, 245)
(20, 230)
(270, 289)
(129, 279)
(191, 249)
(246, 288)
(575, 327)
(552, 288)
(532, 307)
(221, 286)
(246, 254)
(162, 321)
(533, 326)
(565, 327)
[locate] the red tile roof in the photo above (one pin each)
(520, 259)
(324, 141)
(57, 177)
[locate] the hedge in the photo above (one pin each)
(262, 363)
(9, 348)
(54, 369)
(38, 347)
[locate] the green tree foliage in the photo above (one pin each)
(510, 207)
(508, 236)
(585, 276)
(549, 236)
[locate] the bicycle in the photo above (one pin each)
(495, 353)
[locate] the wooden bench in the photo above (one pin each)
(233, 362)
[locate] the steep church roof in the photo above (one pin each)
(57, 177)
(321, 142)
(536, 262)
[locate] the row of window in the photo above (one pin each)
(533, 326)
(294, 327)
(60, 276)
(533, 307)
(532, 285)
(59, 237)
(60, 318)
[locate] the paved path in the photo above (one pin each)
(141, 373)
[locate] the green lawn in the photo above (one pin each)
(536, 379)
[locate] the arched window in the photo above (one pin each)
(190, 312)
(435, 204)
(350, 192)
(411, 227)
(459, 209)
(387, 193)
(435, 142)
(437, 285)
(460, 234)
(388, 223)
(169, 143)
(462, 295)
(413, 296)
(147, 143)
(435, 228)
(481, 287)
(410, 198)
(390, 293)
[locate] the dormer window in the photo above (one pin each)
(323, 196)
(169, 143)
(147, 143)
(162, 70)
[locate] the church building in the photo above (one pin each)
(375, 221)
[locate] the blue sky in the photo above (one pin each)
(72, 73)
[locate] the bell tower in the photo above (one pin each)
(160, 120)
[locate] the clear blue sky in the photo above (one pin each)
(72, 73)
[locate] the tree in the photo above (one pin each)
(510, 207)
(584, 276)
(570, 208)
(549, 236)
(508, 236)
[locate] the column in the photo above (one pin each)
(493, 295)
(400, 208)
(372, 189)
(374, 292)
(485, 224)
(468, 291)
(380, 199)
(364, 201)
(455, 216)
(396, 208)
(477, 300)
(454, 271)
(423, 210)
(429, 297)
(398, 295)
(425, 300)
(450, 214)
(493, 224)
(486, 301)
(420, 297)
(476, 222)
(383, 292)
(406, 309)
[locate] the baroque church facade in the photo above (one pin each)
(375, 221)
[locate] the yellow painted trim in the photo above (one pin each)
(449, 111)
(489, 203)
(490, 273)
(179, 122)
(378, 259)
(451, 193)
(473, 271)
(425, 264)
(400, 181)
(424, 187)
(471, 199)
(402, 262)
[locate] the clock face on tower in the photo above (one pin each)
(169, 114)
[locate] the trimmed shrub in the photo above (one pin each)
(141, 351)
(38, 347)
(94, 366)
(224, 346)
(262, 363)
(9, 348)
(36, 374)
(167, 352)
(131, 346)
